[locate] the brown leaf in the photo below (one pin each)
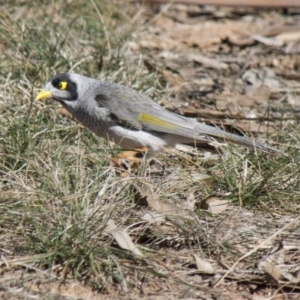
(271, 269)
(153, 43)
(153, 218)
(270, 264)
(242, 42)
(268, 41)
(261, 94)
(174, 80)
(122, 238)
(293, 47)
(208, 62)
(203, 265)
(277, 30)
(226, 101)
(164, 22)
(187, 72)
(190, 200)
(159, 206)
(214, 205)
(289, 36)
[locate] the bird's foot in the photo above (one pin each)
(129, 160)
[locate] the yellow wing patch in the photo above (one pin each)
(151, 120)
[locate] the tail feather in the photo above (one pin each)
(221, 135)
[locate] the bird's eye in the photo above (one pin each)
(62, 85)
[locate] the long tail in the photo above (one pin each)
(241, 140)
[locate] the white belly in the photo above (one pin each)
(135, 139)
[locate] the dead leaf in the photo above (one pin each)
(217, 279)
(270, 264)
(268, 41)
(122, 238)
(214, 205)
(234, 100)
(242, 42)
(154, 218)
(190, 200)
(289, 36)
(203, 265)
(164, 22)
(259, 297)
(161, 207)
(155, 43)
(187, 72)
(261, 94)
(293, 47)
(174, 80)
(277, 30)
(271, 269)
(208, 62)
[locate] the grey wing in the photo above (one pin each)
(126, 115)
(131, 112)
(134, 110)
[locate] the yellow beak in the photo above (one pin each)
(43, 94)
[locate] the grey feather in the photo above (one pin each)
(187, 127)
(124, 115)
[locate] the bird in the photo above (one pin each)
(131, 119)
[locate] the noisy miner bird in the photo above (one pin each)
(132, 120)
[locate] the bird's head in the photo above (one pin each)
(62, 88)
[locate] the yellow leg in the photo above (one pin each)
(130, 159)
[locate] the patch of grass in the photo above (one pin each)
(258, 182)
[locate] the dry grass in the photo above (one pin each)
(58, 190)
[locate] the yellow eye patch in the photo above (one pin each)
(62, 85)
